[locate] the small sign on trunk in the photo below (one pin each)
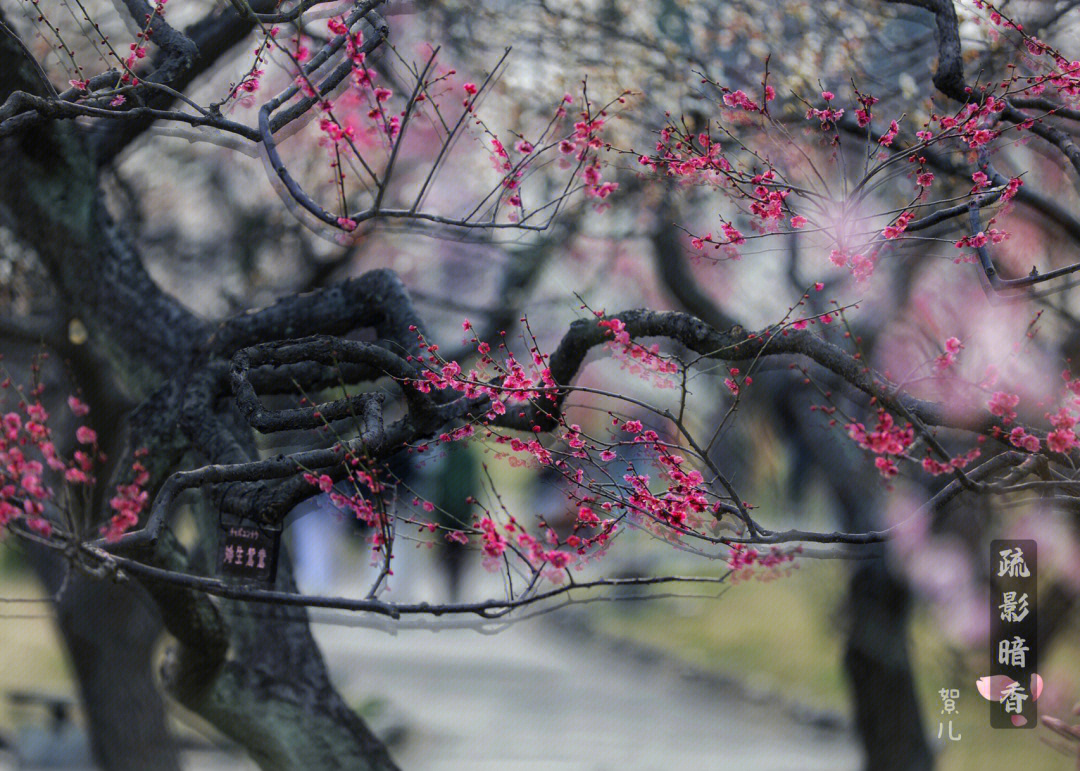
(248, 551)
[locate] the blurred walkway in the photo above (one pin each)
(531, 697)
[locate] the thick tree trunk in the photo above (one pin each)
(879, 666)
(110, 631)
(876, 657)
(256, 675)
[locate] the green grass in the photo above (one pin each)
(747, 632)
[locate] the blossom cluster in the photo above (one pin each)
(746, 562)
(887, 439)
(28, 453)
(636, 357)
